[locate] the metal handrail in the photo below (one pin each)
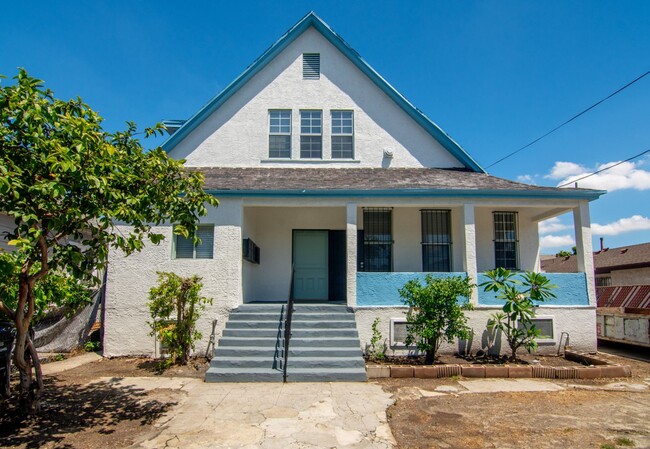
(287, 326)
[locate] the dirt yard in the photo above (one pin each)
(81, 412)
(602, 414)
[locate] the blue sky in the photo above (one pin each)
(493, 74)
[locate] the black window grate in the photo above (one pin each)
(506, 254)
(311, 66)
(436, 240)
(377, 239)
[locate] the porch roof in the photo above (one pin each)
(374, 182)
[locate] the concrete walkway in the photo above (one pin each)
(73, 362)
(268, 415)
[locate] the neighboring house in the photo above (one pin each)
(318, 162)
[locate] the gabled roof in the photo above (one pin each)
(605, 260)
(312, 20)
(386, 182)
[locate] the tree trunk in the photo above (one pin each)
(31, 389)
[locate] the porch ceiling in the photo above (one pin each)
(375, 181)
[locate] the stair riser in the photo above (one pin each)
(297, 316)
(295, 333)
(226, 352)
(243, 377)
(294, 362)
(297, 308)
(295, 324)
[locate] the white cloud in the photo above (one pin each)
(527, 179)
(556, 241)
(552, 225)
(630, 224)
(628, 175)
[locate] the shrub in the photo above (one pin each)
(516, 320)
(377, 344)
(435, 313)
(175, 305)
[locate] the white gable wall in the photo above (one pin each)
(237, 134)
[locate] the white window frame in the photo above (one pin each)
(279, 132)
(341, 133)
(175, 243)
(553, 325)
(311, 134)
(393, 342)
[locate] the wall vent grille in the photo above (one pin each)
(311, 66)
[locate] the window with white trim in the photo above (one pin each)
(184, 248)
(279, 133)
(342, 135)
(506, 242)
(311, 134)
(545, 324)
(377, 239)
(436, 240)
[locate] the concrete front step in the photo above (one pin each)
(271, 342)
(295, 333)
(297, 316)
(294, 362)
(293, 375)
(246, 351)
(296, 324)
(311, 308)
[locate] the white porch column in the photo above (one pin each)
(584, 250)
(351, 247)
(469, 252)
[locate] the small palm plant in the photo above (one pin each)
(519, 310)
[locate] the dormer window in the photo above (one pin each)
(311, 66)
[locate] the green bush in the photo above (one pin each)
(519, 309)
(175, 305)
(58, 290)
(435, 313)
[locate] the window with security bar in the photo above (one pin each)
(377, 239)
(311, 134)
(506, 241)
(280, 133)
(436, 240)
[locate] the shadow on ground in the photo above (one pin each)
(73, 410)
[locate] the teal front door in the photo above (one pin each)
(310, 259)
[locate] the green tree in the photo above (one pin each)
(435, 312)
(66, 183)
(175, 305)
(519, 309)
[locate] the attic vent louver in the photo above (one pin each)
(311, 66)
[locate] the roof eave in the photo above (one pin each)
(589, 195)
(311, 19)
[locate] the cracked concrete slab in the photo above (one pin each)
(507, 385)
(269, 415)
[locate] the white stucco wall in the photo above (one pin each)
(237, 133)
(579, 322)
(130, 278)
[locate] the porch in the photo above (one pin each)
(361, 253)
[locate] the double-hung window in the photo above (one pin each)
(279, 133)
(184, 248)
(377, 239)
(436, 240)
(342, 135)
(506, 241)
(311, 134)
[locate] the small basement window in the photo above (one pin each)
(546, 327)
(398, 332)
(311, 66)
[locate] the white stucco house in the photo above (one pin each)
(318, 162)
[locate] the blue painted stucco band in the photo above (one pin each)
(571, 290)
(312, 20)
(382, 289)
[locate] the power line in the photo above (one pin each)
(604, 169)
(570, 120)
